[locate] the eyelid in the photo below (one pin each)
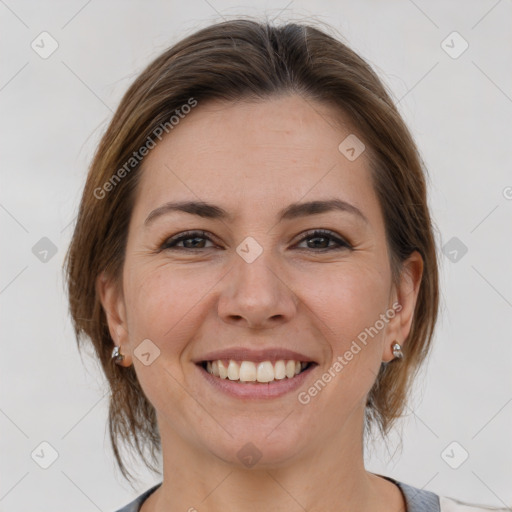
(191, 233)
(341, 241)
(318, 232)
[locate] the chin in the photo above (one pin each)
(260, 448)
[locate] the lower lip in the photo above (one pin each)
(272, 389)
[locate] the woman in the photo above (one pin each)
(254, 263)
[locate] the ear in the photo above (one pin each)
(112, 300)
(405, 297)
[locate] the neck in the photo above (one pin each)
(329, 476)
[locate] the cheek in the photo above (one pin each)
(347, 300)
(164, 303)
(347, 304)
(160, 307)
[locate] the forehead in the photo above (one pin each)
(265, 154)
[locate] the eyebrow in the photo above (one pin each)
(292, 211)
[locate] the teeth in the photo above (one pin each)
(290, 369)
(223, 371)
(265, 372)
(233, 370)
(279, 370)
(247, 371)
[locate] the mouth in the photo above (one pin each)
(262, 372)
(246, 373)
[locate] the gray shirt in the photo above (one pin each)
(417, 500)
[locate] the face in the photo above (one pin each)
(260, 279)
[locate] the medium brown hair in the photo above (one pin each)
(255, 60)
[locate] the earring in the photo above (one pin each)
(397, 350)
(117, 357)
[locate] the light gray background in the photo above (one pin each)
(53, 112)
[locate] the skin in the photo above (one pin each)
(253, 159)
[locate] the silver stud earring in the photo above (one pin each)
(117, 357)
(397, 351)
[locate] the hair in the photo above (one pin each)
(244, 59)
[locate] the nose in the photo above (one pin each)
(256, 295)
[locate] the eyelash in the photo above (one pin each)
(170, 243)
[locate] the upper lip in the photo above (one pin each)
(248, 354)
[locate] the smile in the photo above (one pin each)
(255, 380)
(249, 371)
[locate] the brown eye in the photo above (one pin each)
(191, 239)
(321, 240)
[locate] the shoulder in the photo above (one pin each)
(417, 500)
(421, 500)
(136, 504)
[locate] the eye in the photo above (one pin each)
(173, 242)
(196, 240)
(322, 237)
